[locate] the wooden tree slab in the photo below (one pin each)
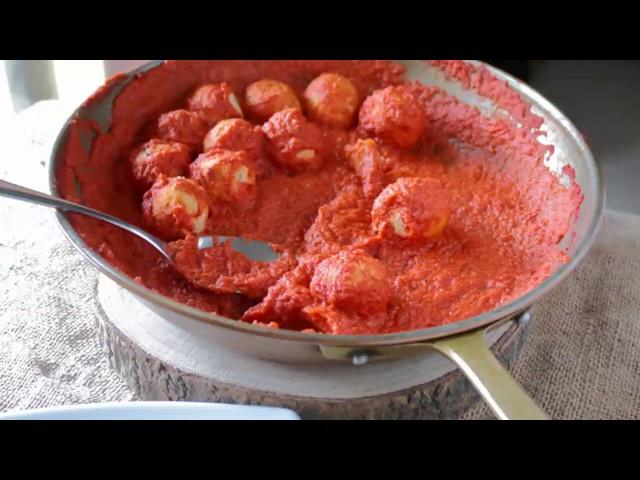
(161, 361)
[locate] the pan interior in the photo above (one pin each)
(570, 150)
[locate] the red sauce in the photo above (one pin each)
(493, 218)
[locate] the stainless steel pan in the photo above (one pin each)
(462, 342)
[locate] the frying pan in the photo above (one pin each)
(462, 342)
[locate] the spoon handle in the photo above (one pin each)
(21, 193)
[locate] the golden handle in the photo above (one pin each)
(504, 396)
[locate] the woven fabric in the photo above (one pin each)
(581, 361)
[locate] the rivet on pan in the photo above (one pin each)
(524, 319)
(205, 242)
(359, 359)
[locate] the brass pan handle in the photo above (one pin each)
(469, 351)
(505, 397)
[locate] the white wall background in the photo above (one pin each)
(75, 81)
(6, 108)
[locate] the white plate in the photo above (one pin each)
(154, 411)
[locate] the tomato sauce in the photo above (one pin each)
(505, 211)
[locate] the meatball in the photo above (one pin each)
(176, 207)
(411, 209)
(183, 126)
(369, 163)
(294, 142)
(332, 99)
(226, 176)
(215, 102)
(394, 115)
(235, 134)
(266, 97)
(157, 157)
(353, 282)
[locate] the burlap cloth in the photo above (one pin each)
(582, 359)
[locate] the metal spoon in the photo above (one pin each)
(252, 249)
